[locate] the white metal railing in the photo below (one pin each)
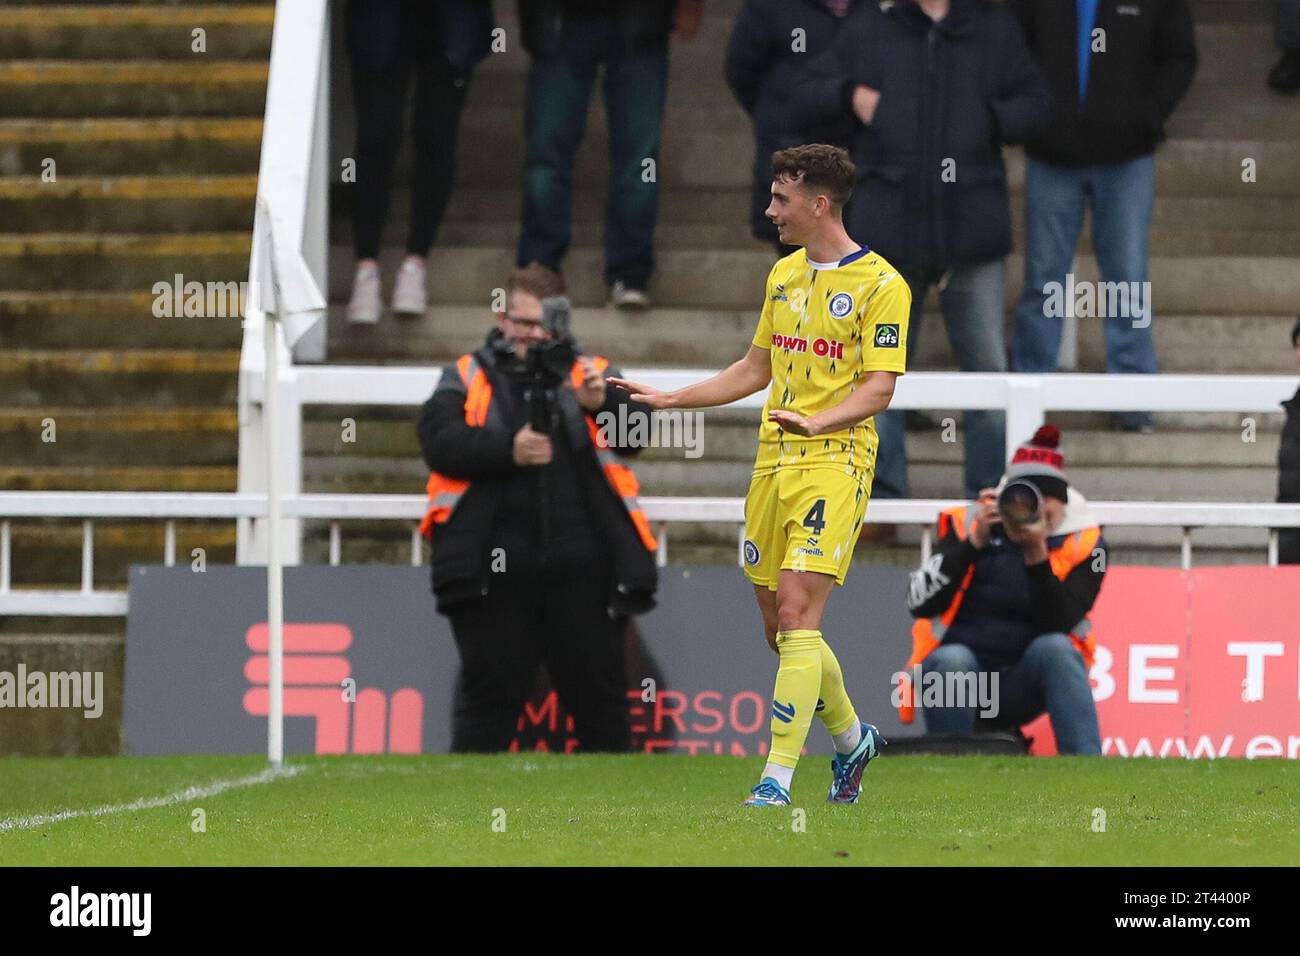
(663, 512)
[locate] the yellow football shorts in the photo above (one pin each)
(804, 519)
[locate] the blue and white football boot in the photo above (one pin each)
(846, 769)
(768, 793)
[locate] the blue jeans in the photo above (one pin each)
(559, 90)
(1286, 24)
(1049, 676)
(971, 301)
(1121, 196)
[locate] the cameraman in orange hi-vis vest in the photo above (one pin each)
(1001, 606)
(541, 552)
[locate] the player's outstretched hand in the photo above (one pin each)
(793, 422)
(642, 393)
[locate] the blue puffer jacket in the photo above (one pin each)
(932, 188)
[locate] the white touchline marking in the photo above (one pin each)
(268, 775)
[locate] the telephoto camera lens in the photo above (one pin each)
(1019, 503)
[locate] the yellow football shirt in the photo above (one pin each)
(826, 326)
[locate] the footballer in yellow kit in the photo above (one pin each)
(825, 324)
(829, 347)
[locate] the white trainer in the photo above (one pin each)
(624, 296)
(366, 305)
(410, 296)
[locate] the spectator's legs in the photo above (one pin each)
(636, 87)
(435, 121)
(1054, 202)
(891, 456)
(555, 116)
(972, 303)
(1285, 75)
(1121, 223)
(584, 654)
(1051, 676)
(949, 721)
(500, 649)
(379, 98)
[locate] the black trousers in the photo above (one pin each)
(379, 101)
(534, 616)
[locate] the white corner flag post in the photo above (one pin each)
(285, 297)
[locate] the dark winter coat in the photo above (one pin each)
(932, 186)
(1133, 87)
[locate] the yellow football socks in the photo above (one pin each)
(833, 705)
(798, 684)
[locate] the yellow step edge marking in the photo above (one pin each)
(72, 301)
(88, 478)
(234, 186)
(99, 73)
(121, 420)
(119, 361)
(64, 244)
(135, 15)
(127, 130)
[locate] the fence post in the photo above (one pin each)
(1024, 404)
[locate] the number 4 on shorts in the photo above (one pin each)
(816, 517)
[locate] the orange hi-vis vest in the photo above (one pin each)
(445, 493)
(928, 632)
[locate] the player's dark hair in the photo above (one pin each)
(822, 168)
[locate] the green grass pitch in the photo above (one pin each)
(646, 810)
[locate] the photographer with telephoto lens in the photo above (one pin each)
(1008, 590)
(541, 551)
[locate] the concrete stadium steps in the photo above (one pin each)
(1186, 458)
(96, 378)
(124, 262)
(115, 147)
(79, 88)
(155, 151)
(92, 204)
(496, 211)
(86, 32)
(146, 437)
(733, 279)
(491, 151)
(121, 320)
(715, 338)
(1252, 224)
(1200, 238)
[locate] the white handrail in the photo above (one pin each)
(333, 507)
